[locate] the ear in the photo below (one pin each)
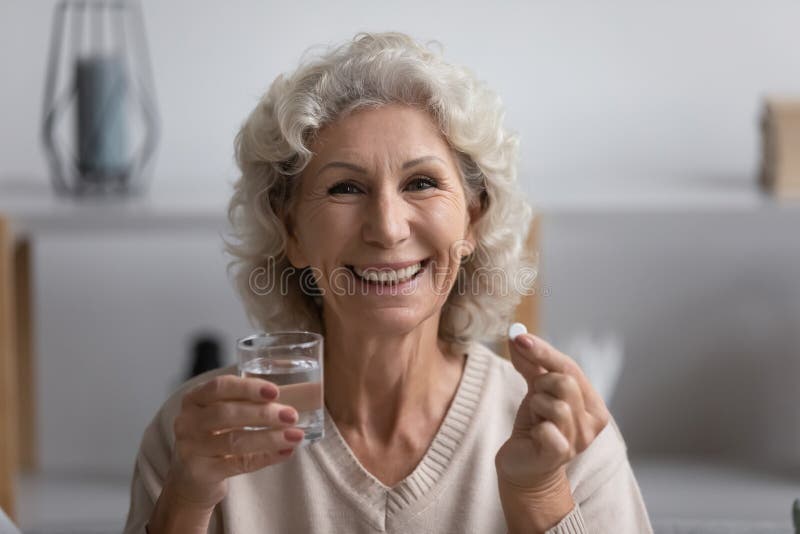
(474, 213)
(294, 254)
(294, 250)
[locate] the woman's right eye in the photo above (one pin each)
(344, 188)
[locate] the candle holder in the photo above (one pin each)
(100, 123)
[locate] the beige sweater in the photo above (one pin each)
(323, 488)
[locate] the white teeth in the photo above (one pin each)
(383, 276)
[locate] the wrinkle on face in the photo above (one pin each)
(403, 134)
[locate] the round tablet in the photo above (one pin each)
(516, 329)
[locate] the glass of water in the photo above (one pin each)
(293, 362)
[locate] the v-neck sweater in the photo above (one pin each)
(323, 487)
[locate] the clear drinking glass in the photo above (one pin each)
(293, 362)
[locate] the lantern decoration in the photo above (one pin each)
(100, 121)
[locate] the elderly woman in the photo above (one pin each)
(380, 164)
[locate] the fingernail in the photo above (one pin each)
(269, 392)
(285, 452)
(287, 415)
(524, 341)
(293, 434)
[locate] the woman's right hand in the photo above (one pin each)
(212, 445)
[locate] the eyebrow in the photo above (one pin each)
(407, 165)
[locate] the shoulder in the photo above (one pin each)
(502, 380)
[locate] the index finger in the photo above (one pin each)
(528, 369)
(543, 353)
(233, 388)
(540, 352)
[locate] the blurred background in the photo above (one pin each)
(663, 262)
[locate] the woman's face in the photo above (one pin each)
(381, 216)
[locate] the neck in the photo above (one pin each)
(377, 384)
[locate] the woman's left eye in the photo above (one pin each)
(421, 183)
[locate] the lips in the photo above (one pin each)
(389, 274)
(388, 266)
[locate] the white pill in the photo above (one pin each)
(515, 330)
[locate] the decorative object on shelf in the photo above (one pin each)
(780, 159)
(100, 122)
(205, 355)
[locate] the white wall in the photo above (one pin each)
(604, 95)
(116, 316)
(708, 305)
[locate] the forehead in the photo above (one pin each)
(392, 130)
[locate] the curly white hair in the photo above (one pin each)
(374, 69)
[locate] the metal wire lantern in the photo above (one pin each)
(100, 123)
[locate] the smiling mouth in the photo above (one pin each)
(389, 277)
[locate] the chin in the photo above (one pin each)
(390, 321)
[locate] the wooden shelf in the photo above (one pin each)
(34, 209)
(663, 198)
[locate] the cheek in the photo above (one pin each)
(445, 221)
(324, 230)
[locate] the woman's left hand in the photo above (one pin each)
(559, 417)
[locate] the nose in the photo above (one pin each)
(386, 223)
